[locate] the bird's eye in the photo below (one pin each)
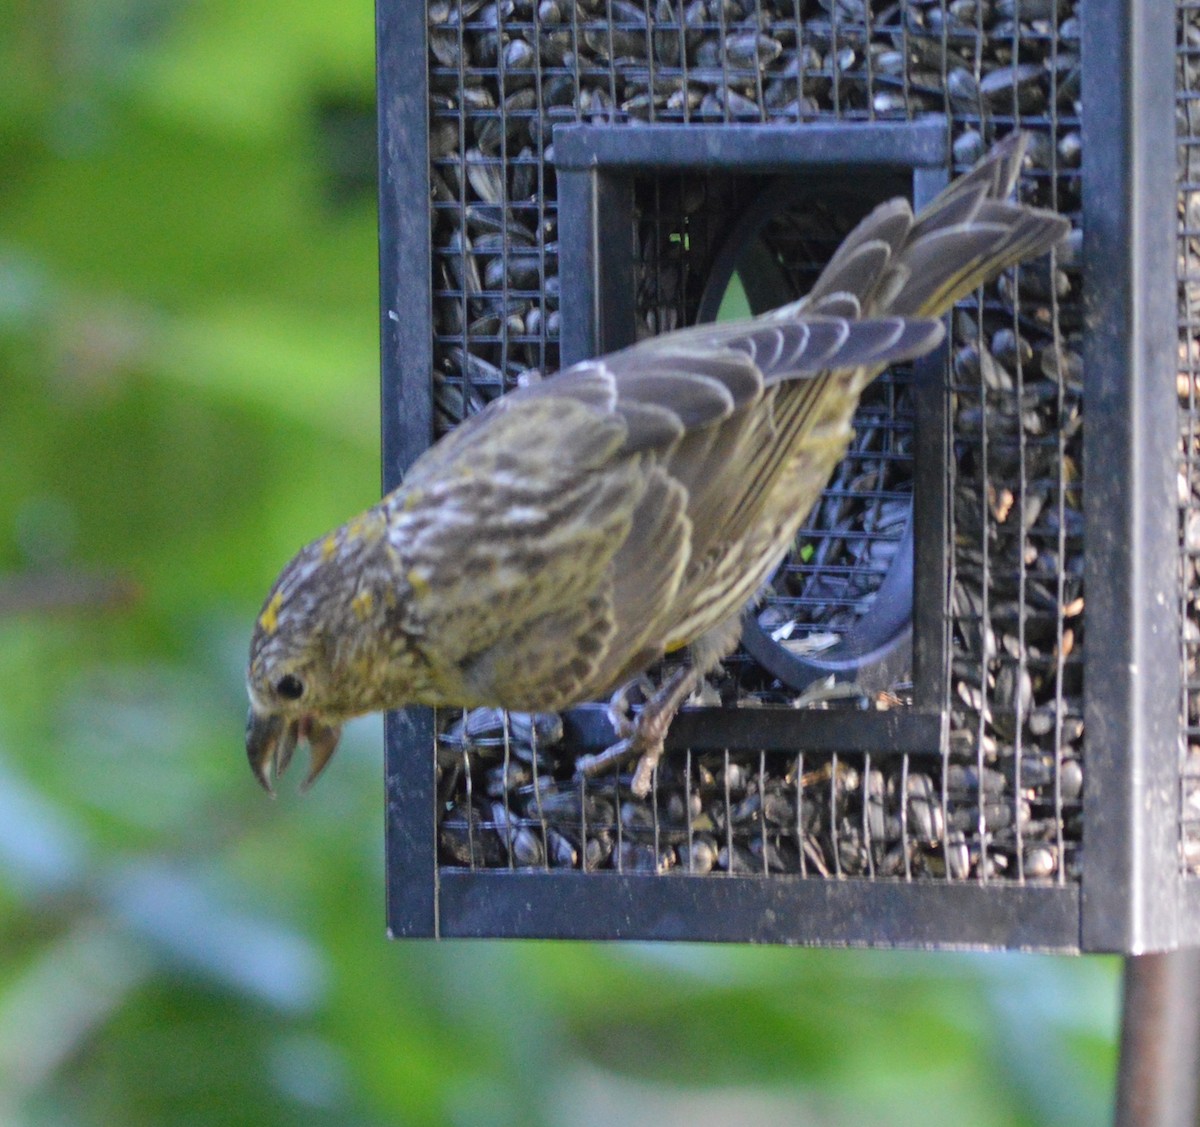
(289, 687)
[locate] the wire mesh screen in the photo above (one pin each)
(1000, 800)
(744, 814)
(1188, 134)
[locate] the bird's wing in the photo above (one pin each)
(699, 410)
(506, 541)
(731, 461)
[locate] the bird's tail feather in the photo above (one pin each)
(895, 263)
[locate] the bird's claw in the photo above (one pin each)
(620, 705)
(589, 766)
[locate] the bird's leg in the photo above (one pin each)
(650, 727)
(647, 732)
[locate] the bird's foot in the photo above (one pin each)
(644, 735)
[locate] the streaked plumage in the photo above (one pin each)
(563, 539)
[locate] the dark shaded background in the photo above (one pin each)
(188, 391)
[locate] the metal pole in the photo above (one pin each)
(1160, 1041)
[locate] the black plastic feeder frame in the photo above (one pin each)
(967, 714)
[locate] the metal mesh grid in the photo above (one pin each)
(505, 805)
(1016, 585)
(1006, 788)
(1188, 136)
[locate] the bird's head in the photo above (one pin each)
(312, 644)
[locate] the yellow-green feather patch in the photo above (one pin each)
(269, 619)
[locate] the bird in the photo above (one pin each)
(554, 546)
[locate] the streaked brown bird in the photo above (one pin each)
(556, 544)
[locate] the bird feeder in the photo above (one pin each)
(966, 713)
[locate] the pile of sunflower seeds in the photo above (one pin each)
(510, 800)
(503, 74)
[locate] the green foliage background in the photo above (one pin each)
(188, 391)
